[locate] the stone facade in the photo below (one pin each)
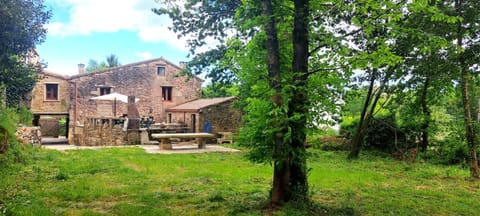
(140, 80)
(102, 132)
(154, 82)
(39, 102)
(47, 111)
(221, 117)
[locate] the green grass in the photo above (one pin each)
(127, 181)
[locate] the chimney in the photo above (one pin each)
(81, 69)
(182, 64)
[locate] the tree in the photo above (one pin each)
(21, 29)
(94, 65)
(466, 54)
(275, 34)
(112, 61)
(375, 25)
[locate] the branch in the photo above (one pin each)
(322, 69)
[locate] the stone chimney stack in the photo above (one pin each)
(182, 64)
(81, 68)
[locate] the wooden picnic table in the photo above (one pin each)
(165, 143)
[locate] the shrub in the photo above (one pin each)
(25, 117)
(11, 151)
(382, 133)
(62, 126)
(449, 151)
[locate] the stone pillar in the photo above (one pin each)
(81, 68)
(144, 136)
(133, 128)
(133, 115)
(165, 144)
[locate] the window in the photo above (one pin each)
(105, 90)
(51, 91)
(161, 70)
(166, 93)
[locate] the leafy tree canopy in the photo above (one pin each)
(21, 29)
(111, 61)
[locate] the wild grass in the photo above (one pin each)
(128, 181)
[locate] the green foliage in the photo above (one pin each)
(11, 150)
(94, 65)
(25, 117)
(219, 90)
(22, 26)
(112, 61)
(258, 133)
(62, 123)
(21, 29)
(17, 78)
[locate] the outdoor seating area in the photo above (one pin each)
(165, 142)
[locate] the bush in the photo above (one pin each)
(62, 126)
(11, 151)
(25, 117)
(449, 151)
(382, 133)
(325, 138)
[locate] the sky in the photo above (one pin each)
(80, 30)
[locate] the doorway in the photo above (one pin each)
(194, 122)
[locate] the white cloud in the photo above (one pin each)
(144, 55)
(89, 16)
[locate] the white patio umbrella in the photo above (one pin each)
(114, 97)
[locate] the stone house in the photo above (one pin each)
(50, 101)
(211, 115)
(155, 83)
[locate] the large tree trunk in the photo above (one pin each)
(465, 81)
(426, 114)
(363, 124)
(299, 104)
(281, 169)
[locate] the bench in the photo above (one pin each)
(225, 137)
(167, 145)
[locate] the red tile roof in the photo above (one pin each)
(194, 106)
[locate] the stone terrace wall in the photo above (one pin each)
(29, 135)
(101, 132)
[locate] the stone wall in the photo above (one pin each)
(222, 117)
(186, 118)
(29, 135)
(38, 102)
(101, 132)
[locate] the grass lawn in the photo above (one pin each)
(128, 181)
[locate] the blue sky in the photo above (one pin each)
(80, 30)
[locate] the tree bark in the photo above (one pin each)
(362, 125)
(464, 84)
(298, 185)
(426, 114)
(281, 168)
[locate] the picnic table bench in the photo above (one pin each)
(165, 143)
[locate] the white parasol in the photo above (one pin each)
(114, 97)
